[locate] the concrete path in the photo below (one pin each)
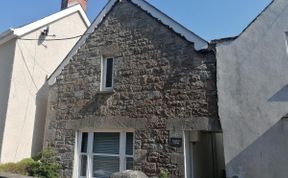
(9, 175)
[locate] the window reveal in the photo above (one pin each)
(107, 74)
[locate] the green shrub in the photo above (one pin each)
(8, 167)
(47, 165)
(44, 165)
(163, 174)
(21, 167)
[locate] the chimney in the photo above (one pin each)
(67, 3)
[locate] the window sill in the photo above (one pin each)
(107, 91)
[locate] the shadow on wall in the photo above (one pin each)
(40, 115)
(42, 37)
(94, 105)
(267, 157)
(280, 96)
(6, 66)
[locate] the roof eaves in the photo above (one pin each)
(7, 35)
(51, 18)
(83, 15)
(221, 40)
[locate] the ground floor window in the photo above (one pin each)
(102, 153)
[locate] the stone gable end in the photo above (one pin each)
(162, 86)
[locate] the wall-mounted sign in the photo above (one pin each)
(176, 142)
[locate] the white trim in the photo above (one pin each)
(79, 154)
(104, 74)
(89, 155)
(186, 148)
(18, 32)
(59, 15)
(76, 153)
(103, 154)
(188, 156)
(107, 130)
(199, 43)
(122, 151)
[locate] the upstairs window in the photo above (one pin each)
(107, 74)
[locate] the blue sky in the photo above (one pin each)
(210, 19)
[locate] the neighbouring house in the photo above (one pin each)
(252, 84)
(28, 55)
(138, 91)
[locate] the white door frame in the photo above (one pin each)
(188, 150)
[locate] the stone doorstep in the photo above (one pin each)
(128, 174)
(9, 175)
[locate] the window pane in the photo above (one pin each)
(109, 72)
(129, 163)
(129, 143)
(83, 163)
(84, 142)
(106, 143)
(104, 166)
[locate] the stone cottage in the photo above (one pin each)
(138, 91)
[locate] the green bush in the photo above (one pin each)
(21, 167)
(163, 174)
(44, 165)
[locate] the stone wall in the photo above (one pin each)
(162, 86)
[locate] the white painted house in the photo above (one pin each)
(27, 56)
(252, 79)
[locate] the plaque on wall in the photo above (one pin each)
(176, 142)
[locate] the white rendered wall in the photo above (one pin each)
(34, 61)
(252, 79)
(6, 64)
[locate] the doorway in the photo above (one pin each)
(204, 155)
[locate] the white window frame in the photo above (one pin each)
(122, 151)
(104, 72)
(188, 163)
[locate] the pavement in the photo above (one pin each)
(9, 175)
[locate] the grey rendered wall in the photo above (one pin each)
(252, 88)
